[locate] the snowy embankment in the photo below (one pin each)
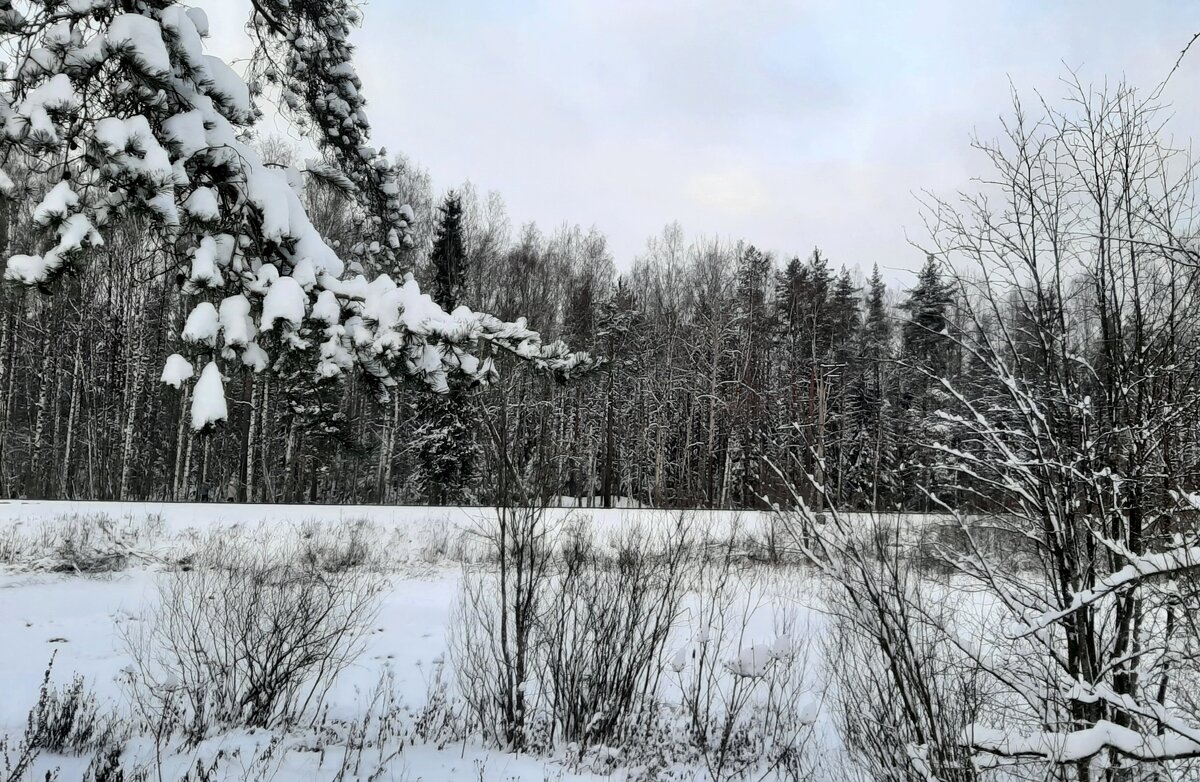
(179, 516)
(765, 637)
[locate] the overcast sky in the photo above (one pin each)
(789, 123)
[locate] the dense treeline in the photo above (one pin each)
(732, 376)
(728, 372)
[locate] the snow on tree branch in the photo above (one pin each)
(1072, 746)
(118, 113)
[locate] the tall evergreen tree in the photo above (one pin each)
(449, 256)
(872, 459)
(877, 325)
(926, 351)
(752, 427)
(842, 363)
(928, 308)
(446, 438)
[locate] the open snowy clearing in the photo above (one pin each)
(84, 622)
(79, 621)
(409, 533)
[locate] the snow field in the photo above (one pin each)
(83, 634)
(399, 535)
(773, 619)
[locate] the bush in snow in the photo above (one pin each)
(247, 637)
(368, 746)
(108, 766)
(440, 719)
(79, 544)
(87, 551)
(494, 628)
(900, 689)
(68, 720)
(745, 703)
(64, 721)
(17, 758)
(940, 542)
(604, 630)
(341, 546)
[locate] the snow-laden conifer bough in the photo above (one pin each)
(117, 111)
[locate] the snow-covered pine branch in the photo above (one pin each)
(117, 112)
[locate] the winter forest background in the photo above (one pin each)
(729, 371)
(965, 545)
(723, 358)
(727, 376)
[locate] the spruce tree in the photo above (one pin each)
(928, 308)
(878, 327)
(751, 427)
(844, 317)
(872, 460)
(449, 256)
(842, 367)
(445, 440)
(926, 353)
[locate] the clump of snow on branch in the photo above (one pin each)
(208, 399)
(177, 370)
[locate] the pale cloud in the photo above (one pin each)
(733, 192)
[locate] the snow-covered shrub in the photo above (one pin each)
(900, 688)
(494, 628)
(939, 543)
(340, 546)
(745, 702)
(68, 720)
(604, 632)
(439, 720)
(16, 759)
(436, 547)
(765, 542)
(79, 544)
(369, 743)
(85, 549)
(64, 720)
(367, 746)
(108, 765)
(790, 696)
(248, 637)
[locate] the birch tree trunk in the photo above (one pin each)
(6, 384)
(182, 447)
(251, 439)
(38, 444)
(76, 383)
(128, 445)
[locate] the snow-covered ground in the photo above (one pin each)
(177, 517)
(82, 619)
(409, 532)
(79, 620)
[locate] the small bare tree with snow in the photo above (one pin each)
(247, 637)
(1071, 426)
(1079, 431)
